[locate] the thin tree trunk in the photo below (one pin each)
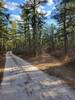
(65, 34)
(34, 28)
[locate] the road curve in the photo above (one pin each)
(23, 81)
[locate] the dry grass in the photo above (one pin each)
(57, 65)
(44, 61)
(63, 68)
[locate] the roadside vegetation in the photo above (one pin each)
(2, 65)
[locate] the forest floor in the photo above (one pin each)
(63, 67)
(2, 65)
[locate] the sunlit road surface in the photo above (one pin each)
(22, 81)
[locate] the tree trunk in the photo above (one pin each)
(34, 28)
(65, 34)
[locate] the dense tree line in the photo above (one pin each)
(32, 35)
(4, 16)
(50, 38)
(65, 18)
(31, 26)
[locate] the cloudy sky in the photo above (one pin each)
(15, 11)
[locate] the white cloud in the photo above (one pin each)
(54, 8)
(11, 5)
(40, 9)
(15, 17)
(50, 2)
(48, 13)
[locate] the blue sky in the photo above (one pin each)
(12, 6)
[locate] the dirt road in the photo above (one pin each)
(23, 81)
